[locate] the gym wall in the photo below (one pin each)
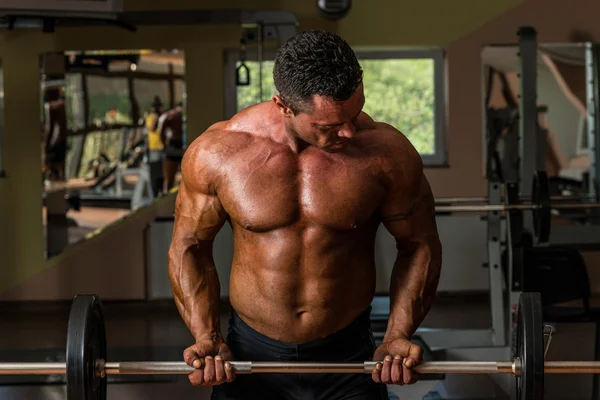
(372, 24)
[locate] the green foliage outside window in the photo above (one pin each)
(399, 92)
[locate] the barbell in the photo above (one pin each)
(87, 367)
(541, 205)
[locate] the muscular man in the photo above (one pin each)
(55, 135)
(304, 181)
(170, 126)
(155, 146)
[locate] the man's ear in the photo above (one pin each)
(282, 107)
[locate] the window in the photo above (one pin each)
(402, 88)
(146, 89)
(108, 100)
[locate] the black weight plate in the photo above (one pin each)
(542, 213)
(86, 343)
(530, 347)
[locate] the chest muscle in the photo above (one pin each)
(334, 192)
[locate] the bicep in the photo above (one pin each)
(198, 216)
(408, 212)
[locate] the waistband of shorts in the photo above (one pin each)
(360, 326)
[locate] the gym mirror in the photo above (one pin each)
(561, 101)
(112, 137)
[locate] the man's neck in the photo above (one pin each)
(296, 144)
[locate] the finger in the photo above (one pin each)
(209, 370)
(387, 369)
(407, 373)
(396, 374)
(219, 370)
(376, 374)
(415, 356)
(191, 358)
(197, 377)
(229, 372)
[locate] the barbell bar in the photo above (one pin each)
(541, 205)
(507, 207)
(483, 199)
(86, 367)
(267, 367)
(264, 367)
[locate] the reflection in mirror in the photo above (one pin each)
(561, 100)
(113, 135)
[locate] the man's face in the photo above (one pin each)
(329, 124)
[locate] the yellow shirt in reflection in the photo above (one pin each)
(154, 142)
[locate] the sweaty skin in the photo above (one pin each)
(304, 220)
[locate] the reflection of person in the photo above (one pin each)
(304, 181)
(55, 134)
(155, 145)
(170, 126)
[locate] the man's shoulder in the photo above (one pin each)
(388, 142)
(219, 141)
(203, 161)
(400, 163)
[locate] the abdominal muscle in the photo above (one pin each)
(297, 288)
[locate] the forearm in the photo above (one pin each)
(196, 287)
(413, 287)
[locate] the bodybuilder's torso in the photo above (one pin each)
(304, 227)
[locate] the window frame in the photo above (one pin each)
(438, 159)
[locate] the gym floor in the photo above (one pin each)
(154, 331)
(88, 219)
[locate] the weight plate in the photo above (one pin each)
(530, 347)
(86, 343)
(542, 213)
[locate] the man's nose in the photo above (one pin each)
(347, 131)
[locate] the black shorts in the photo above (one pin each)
(174, 150)
(354, 343)
(57, 153)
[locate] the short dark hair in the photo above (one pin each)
(52, 94)
(315, 63)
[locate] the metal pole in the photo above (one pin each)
(483, 199)
(32, 368)
(494, 233)
(502, 207)
(572, 367)
(531, 161)
(247, 367)
(593, 119)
